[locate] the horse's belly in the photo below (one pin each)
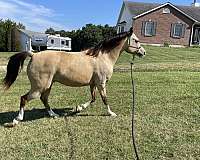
(74, 80)
(75, 71)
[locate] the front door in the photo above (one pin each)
(196, 37)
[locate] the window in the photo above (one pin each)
(38, 40)
(149, 28)
(166, 11)
(62, 42)
(52, 41)
(67, 43)
(178, 30)
(121, 29)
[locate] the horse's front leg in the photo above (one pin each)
(102, 91)
(85, 105)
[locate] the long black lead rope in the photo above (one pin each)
(133, 113)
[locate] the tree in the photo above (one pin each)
(8, 37)
(108, 31)
(50, 31)
(91, 35)
(20, 26)
(8, 26)
(2, 36)
(86, 37)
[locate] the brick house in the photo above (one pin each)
(160, 24)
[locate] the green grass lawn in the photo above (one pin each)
(164, 59)
(4, 57)
(167, 115)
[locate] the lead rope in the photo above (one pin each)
(133, 112)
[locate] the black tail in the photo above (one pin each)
(13, 68)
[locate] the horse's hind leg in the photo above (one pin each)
(24, 100)
(20, 117)
(44, 99)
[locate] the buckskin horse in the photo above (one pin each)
(47, 67)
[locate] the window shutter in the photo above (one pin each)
(183, 30)
(143, 28)
(154, 28)
(172, 30)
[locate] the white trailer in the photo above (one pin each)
(40, 41)
(55, 42)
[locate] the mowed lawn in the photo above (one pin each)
(167, 114)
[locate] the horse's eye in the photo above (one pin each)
(136, 41)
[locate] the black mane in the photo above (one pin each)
(108, 44)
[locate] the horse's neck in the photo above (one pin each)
(116, 52)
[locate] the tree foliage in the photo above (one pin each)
(86, 37)
(8, 36)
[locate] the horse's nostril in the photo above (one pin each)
(144, 53)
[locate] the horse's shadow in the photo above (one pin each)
(35, 114)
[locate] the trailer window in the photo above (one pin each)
(67, 43)
(62, 42)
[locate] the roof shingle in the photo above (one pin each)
(137, 8)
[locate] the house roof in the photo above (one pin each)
(192, 11)
(138, 8)
(32, 33)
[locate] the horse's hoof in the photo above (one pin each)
(55, 116)
(78, 109)
(52, 114)
(12, 124)
(9, 125)
(113, 114)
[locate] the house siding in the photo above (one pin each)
(25, 42)
(163, 29)
(126, 16)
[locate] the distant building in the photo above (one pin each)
(160, 24)
(30, 40)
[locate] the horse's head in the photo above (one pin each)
(133, 45)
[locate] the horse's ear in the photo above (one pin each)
(131, 31)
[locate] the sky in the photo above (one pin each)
(38, 15)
